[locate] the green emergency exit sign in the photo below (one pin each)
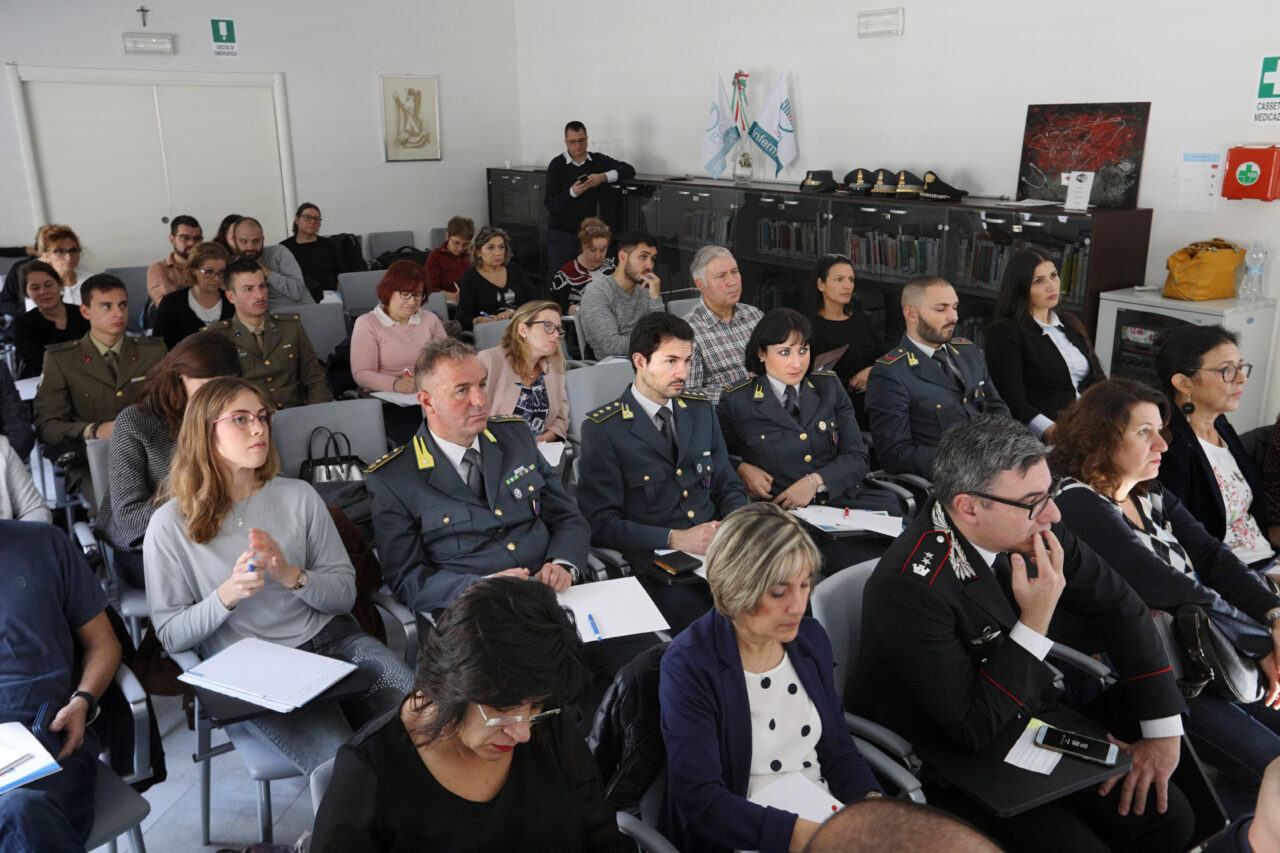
(224, 31)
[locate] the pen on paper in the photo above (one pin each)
(595, 629)
(15, 764)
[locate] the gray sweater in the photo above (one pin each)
(183, 577)
(608, 315)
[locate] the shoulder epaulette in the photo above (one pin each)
(929, 555)
(384, 459)
(291, 317)
(148, 341)
(891, 357)
(827, 372)
(606, 412)
(220, 324)
(961, 341)
(694, 395)
(729, 389)
(61, 346)
(506, 419)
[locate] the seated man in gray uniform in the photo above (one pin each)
(470, 496)
(930, 382)
(654, 472)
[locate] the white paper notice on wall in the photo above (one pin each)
(1079, 185)
(1198, 180)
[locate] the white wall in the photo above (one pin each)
(331, 55)
(950, 95)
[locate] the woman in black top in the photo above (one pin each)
(828, 303)
(478, 757)
(494, 286)
(316, 255)
(52, 321)
(176, 316)
(1110, 441)
(1039, 357)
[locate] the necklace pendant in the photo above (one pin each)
(239, 522)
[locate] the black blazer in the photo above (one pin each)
(1185, 471)
(1029, 370)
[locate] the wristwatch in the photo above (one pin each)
(1272, 615)
(302, 581)
(93, 704)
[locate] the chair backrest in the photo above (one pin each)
(681, 307)
(388, 241)
(488, 335)
(437, 304)
(359, 420)
(438, 236)
(359, 290)
(320, 779)
(325, 325)
(589, 388)
(837, 605)
(573, 328)
(135, 284)
(99, 468)
(6, 264)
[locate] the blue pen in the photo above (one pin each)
(251, 565)
(486, 315)
(595, 629)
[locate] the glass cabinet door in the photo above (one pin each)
(686, 217)
(888, 243)
(515, 199)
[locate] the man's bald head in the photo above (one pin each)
(895, 826)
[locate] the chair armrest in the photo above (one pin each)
(890, 769)
(1081, 661)
(136, 696)
(186, 659)
(885, 739)
(904, 495)
(84, 537)
(404, 618)
(649, 838)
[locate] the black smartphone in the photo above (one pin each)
(1088, 748)
(50, 740)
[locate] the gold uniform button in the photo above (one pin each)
(497, 512)
(939, 405)
(804, 436)
(511, 546)
(119, 393)
(646, 478)
(679, 473)
(808, 458)
(686, 493)
(445, 519)
(689, 513)
(268, 361)
(762, 437)
(268, 378)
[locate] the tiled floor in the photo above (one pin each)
(174, 823)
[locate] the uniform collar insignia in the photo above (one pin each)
(489, 436)
(959, 562)
(911, 358)
(425, 459)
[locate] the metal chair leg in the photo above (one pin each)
(264, 812)
(135, 838)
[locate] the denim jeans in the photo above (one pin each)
(55, 813)
(311, 735)
(1240, 740)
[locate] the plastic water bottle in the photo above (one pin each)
(1250, 289)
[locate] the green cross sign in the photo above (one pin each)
(1248, 173)
(1269, 85)
(224, 30)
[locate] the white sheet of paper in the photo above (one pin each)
(1028, 202)
(1026, 754)
(331, 296)
(1079, 185)
(794, 793)
(618, 607)
(17, 740)
(701, 571)
(268, 674)
(1198, 181)
(834, 519)
(27, 387)
(552, 451)
(396, 397)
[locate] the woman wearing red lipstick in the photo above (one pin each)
(478, 757)
(1110, 442)
(747, 695)
(1038, 355)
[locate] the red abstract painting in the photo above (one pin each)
(1106, 139)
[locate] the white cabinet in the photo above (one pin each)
(1130, 322)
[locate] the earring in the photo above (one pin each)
(1187, 407)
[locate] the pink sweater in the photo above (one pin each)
(381, 348)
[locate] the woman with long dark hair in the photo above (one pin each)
(828, 303)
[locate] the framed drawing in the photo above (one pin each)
(410, 117)
(1106, 139)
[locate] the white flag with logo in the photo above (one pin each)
(773, 129)
(722, 133)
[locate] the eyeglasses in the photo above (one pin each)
(1229, 372)
(212, 273)
(1033, 509)
(244, 420)
(309, 218)
(411, 296)
(547, 326)
(75, 251)
(503, 722)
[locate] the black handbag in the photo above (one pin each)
(1202, 657)
(337, 465)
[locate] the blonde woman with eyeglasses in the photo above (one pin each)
(202, 301)
(526, 371)
(239, 552)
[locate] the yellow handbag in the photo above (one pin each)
(1205, 270)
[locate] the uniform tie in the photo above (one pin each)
(259, 337)
(113, 364)
(667, 428)
(791, 402)
(475, 475)
(943, 357)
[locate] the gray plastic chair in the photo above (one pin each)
(320, 778)
(325, 325)
(359, 290)
(438, 236)
(388, 241)
(131, 601)
(360, 420)
(489, 334)
(135, 284)
(682, 307)
(438, 304)
(589, 388)
(117, 808)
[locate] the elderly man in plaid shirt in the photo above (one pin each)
(721, 326)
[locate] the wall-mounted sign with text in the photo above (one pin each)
(224, 37)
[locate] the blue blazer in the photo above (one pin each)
(706, 726)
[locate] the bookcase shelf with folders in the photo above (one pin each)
(778, 233)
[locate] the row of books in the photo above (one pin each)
(518, 205)
(706, 226)
(787, 238)
(982, 264)
(882, 253)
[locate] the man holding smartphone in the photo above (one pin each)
(959, 617)
(574, 181)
